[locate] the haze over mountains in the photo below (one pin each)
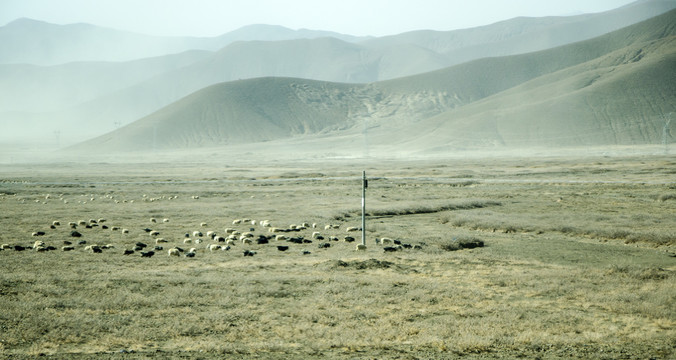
(443, 91)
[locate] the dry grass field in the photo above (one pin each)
(578, 260)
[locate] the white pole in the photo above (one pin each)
(364, 184)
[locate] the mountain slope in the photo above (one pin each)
(27, 41)
(607, 90)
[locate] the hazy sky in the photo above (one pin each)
(355, 17)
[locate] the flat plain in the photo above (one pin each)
(578, 259)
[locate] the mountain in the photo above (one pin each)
(522, 35)
(26, 87)
(86, 99)
(610, 90)
(28, 41)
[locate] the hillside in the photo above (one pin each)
(28, 41)
(607, 90)
(85, 99)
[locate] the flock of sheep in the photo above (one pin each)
(242, 232)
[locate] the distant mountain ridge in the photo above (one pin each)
(28, 41)
(610, 90)
(89, 98)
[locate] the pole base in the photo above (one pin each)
(361, 247)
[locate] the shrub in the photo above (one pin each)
(462, 243)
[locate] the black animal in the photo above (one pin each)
(75, 234)
(262, 240)
(297, 240)
(282, 247)
(128, 252)
(390, 249)
(140, 244)
(190, 254)
(148, 254)
(249, 253)
(66, 242)
(147, 230)
(96, 250)
(348, 239)
(19, 248)
(324, 245)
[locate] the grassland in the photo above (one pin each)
(578, 260)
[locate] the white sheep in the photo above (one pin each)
(211, 234)
(265, 223)
(352, 229)
(196, 233)
(4, 246)
(386, 241)
(165, 220)
(192, 250)
(56, 223)
(114, 228)
(161, 241)
(246, 241)
(154, 233)
(82, 223)
(38, 244)
(229, 230)
(125, 231)
(315, 234)
(187, 241)
(237, 221)
(174, 252)
(214, 247)
(281, 238)
(230, 242)
(198, 241)
(203, 224)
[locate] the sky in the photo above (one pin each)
(353, 17)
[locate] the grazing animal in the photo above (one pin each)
(249, 253)
(68, 248)
(282, 248)
(75, 234)
(391, 248)
(324, 245)
(147, 254)
(352, 229)
(128, 252)
(174, 252)
(348, 239)
(190, 254)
